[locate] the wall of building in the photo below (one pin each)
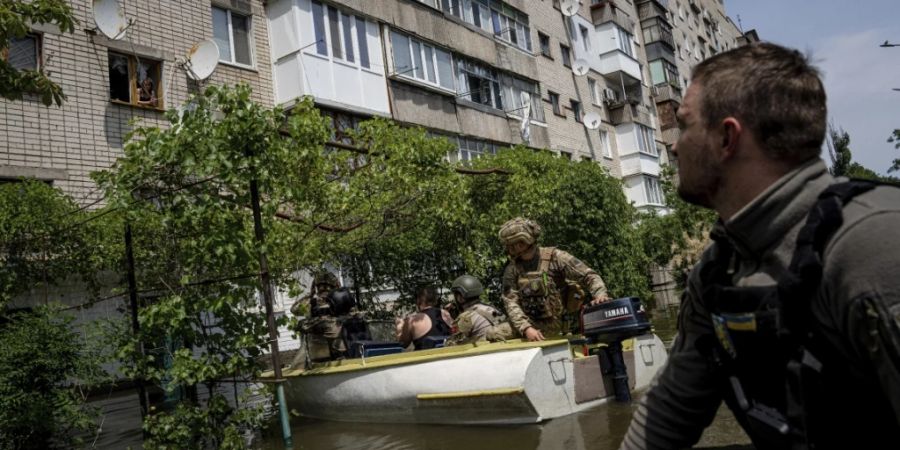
(65, 144)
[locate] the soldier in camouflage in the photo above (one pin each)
(321, 326)
(535, 278)
(477, 321)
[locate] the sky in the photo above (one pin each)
(843, 38)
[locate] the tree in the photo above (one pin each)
(196, 253)
(842, 164)
(16, 16)
(895, 138)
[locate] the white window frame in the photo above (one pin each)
(250, 41)
(434, 68)
(342, 33)
(646, 138)
(625, 41)
(652, 191)
(585, 37)
(596, 96)
(605, 145)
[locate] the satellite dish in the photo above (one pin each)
(202, 60)
(110, 18)
(569, 7)
(591, 121)
(580, 67)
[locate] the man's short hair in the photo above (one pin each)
(774, 91)
(428, 295)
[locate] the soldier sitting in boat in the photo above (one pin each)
(477, 321)
(536, 277)
(429, 326)
(322, 327)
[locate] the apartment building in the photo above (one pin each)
(486, 74)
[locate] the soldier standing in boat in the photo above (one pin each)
(322, 329)
(535, 278)
(477, 321)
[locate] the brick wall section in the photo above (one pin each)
(88, 131)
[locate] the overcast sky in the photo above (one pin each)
(844, 38)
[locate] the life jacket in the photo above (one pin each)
(439, 328)
(539, 290)
(788, 389)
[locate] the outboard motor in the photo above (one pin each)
(610, 323)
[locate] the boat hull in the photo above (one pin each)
(502, 383)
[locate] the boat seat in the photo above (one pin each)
(367, 349)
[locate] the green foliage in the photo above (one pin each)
(895, 139)
(16, 16)
(675, 240)
(46, 238)
(45, 368)
(842, 164)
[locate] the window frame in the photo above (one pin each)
(652, 191)
(646, 138)
(596, 94)
(133, 94)
(359, 36)
(566, 53)
(605, 145)
(433, 68)
(251, 43)
(38, 50)
(545, 50)
(554, 103)
(577, 109)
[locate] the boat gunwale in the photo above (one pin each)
(420, 356)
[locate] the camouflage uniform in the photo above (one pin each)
(532, 289)
(480, 322)
(321, 327)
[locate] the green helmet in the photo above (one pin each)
(325, 278)
(520, 229)
(467, 286)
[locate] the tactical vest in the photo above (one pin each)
(539, 292)
(778, 367)
(438, 328)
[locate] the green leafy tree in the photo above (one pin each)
(16, 17)
(185, 189)
(46, 368)
(842, 163)
(895, 139)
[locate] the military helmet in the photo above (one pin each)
(467, 286)
(520, 229)
(325, 277)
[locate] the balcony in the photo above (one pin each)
(624, 112)
(657, 33)
(615, 65)
(606, 11)
(639, 163)
(653, 9)
(666, 92)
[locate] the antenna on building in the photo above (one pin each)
(581, 67)
(110, 18)
(569, 7)
(592, 121)
(202, 60)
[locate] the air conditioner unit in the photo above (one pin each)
(654, 91)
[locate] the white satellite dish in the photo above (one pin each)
(592, 121)
(110, 18)
(202, 60)
(569, 7)
(580, 67)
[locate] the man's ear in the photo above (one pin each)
(731, 131)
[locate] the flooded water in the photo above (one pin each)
(600, 428)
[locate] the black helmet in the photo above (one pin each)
(467, 286)
(341, 301)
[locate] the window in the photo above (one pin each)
(595, 91)
(511, 92)
(135, 81)
(23, 53)
(231, 31)
(424, 62)
(554, 101)
(652, 193)
(566, 155)
(545, 44)
(345, 35)
(479, 84)
(662, 71)
(585, 38)
(646, 140)
(452, 7)
(625, 39)
(576, 109)
(566, 55)
(605, 146)
(470, 149)
(510, 25)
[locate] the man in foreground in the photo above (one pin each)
(791, 316)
